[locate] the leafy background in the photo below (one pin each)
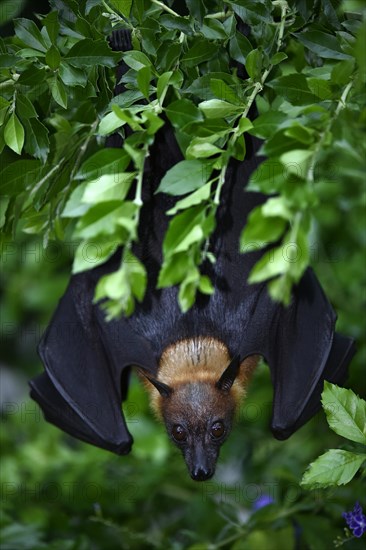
(59, 493)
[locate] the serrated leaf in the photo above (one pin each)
(14, 134)
(89, 52)
(335, 467)
(346, 412)
(185, 176)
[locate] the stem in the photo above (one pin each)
(47, 176)
(83, 148)
(341, 105)
(258, 87)
(165, 8)
(219, 15)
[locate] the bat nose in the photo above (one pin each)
(201, 474)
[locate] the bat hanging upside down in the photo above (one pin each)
(195, 365)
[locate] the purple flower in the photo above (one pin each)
(356, 520)
(262, 501)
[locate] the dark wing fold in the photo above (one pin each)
(84, 361)
(304, 351)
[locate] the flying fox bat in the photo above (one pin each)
(195, 365)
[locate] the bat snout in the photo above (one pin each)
(200, 473)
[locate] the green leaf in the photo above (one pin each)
(109, 187)
(4, 203)
(199, 52)
(53, 58)
(136, 60)
(74, 208)
(104, 219)
(187, 290)
(323, 44)
(294, 88)
(251, 12)
(201, 149)
(174, 269)
(185, 176)
(106, 161)
(183, 112)
(223, 91)
(24, 107)
(240, 47)
(10, 10)
(201, 195)
(89, 254)
(52, 25)
(335, 467)
(268, 123)
(346, 412)
(205, 285)
(278, 58)
(58, 91)
(14, 134)
(184, 230)
(143, 80)
(253, 64)
(89, 52)
(268, 177)
(123, 6)
(261, 230)
(216, 108)
(162, 86)
(297, 161)
(71, 76)
(17, 176)
(37, 142)
(110, 123)
(28, 32)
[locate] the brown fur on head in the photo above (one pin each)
(196, 394)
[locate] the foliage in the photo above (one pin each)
(305, 66)
(59, 493)
(346, 415)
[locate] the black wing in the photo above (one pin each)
(82, 388)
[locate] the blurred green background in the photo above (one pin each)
(59, 493)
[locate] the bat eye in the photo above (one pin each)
(179, 433)
(217, 430)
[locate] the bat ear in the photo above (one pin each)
(163, 389)
(227, 378)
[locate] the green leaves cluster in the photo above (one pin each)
(346, 416)
(306, 70)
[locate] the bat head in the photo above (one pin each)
(198, 416)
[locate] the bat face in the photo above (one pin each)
(198, 405)
(198, 418)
